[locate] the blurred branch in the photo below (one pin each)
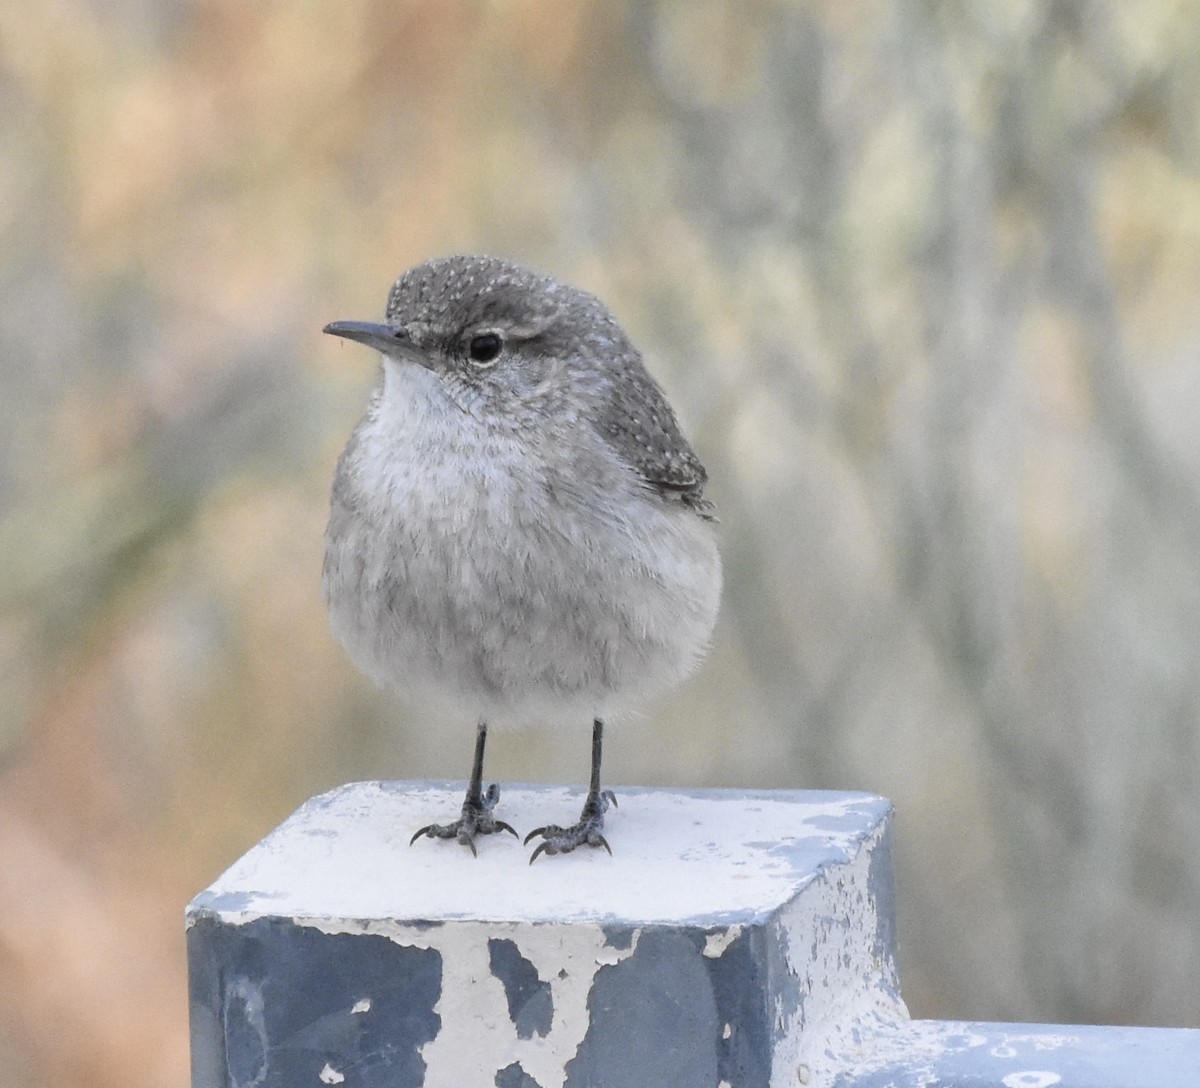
(69, 553)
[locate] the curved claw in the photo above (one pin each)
(549, 846)
(588, 831)
(464, 831)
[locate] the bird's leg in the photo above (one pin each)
(477, 818)
(590, 828)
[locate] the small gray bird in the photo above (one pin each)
(517, 525)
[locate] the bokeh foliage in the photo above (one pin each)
(921, 279)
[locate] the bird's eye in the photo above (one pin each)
(485, 347)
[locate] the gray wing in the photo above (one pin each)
(641, 426)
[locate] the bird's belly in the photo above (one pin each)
(526, 611)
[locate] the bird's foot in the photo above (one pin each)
(589, 831)
(476, 819)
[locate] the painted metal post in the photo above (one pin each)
(734, 938)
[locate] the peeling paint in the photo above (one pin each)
(513, 1076)
(667, 964)
(652, 1013)
(530, 1005)
(715, 943)
(740, 940)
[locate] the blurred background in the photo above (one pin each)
(922, 281)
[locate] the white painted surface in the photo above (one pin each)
(724, 856)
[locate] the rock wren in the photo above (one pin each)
(517, 525)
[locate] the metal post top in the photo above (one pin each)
(700, 857)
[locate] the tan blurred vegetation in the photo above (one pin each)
(922, 279)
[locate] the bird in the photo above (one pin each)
(518, 528)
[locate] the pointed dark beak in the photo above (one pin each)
(390, 339)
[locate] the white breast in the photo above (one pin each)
(519, 576)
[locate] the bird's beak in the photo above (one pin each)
(390, 339)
